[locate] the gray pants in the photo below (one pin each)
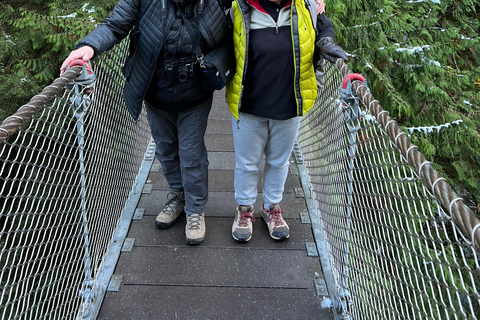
(253, 137)
(179, 136)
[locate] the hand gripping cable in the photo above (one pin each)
(81, 86)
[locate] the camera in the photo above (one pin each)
(183, 72)
(179, 71)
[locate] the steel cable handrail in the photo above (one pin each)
(37, 103)
(462, 215)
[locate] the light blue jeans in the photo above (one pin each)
(253, 137)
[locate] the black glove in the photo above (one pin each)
(330, 50)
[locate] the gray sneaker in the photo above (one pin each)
(195, 228)
(172, 210)
(277, 227)
(242, 227)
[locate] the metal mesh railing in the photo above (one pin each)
(400, 243)
(69, 161)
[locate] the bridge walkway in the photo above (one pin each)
(160, 277)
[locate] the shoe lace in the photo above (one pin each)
(244, 216)
(275, 216)
(171, 198)
(194, 221)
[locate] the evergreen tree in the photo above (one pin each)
(421, 59)
(35, 38)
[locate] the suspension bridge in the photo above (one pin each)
(376, 232)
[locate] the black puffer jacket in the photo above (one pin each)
(140, 67)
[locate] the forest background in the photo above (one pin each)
(421, 60)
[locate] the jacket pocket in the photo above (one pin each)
(132, 55)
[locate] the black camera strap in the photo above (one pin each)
(194, 36)
(164, 26)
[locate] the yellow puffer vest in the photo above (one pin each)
(303, 38)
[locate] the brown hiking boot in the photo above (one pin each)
(172, 210)
(277, 227)
(242, 227)
(195, 228)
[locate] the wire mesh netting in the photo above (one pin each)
(394, 251)
(66, 175)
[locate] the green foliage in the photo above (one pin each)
(11, 77)
(422, 63)
(35, 37)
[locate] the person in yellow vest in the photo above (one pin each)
(274, 85)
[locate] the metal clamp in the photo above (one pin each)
(350, 100)
(81, 85)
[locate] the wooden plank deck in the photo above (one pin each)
(163, 278)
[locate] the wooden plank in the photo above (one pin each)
(227, 267)
(152, 302)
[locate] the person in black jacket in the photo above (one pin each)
(162, 72)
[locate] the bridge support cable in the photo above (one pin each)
(80, 102)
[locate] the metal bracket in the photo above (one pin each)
(147, 188)
(114, 284)
(151, 152)
(155, 167)
(88, 310)
(128, 245)
(298, 154)
(293, 170)
(305, 217)
(299, 193)
(138, 215)
(311, 249)
(321, 287)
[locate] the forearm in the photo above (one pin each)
(324, 27)
(325, 41)
(114, 28)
